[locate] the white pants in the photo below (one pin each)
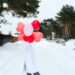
(29, 58)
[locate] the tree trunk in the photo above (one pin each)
(1, 39)
(67, 31)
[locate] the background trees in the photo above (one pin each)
(63, 26)
(21, 7)
(17, 8)
(67, 18)
(50, 25)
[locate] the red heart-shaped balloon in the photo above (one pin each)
(36, 25)
(37, 36)
(21, 37)
(20, 27)
(29, 39)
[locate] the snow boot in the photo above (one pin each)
(29, 74)
(37, 73)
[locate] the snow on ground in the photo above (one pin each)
(51, 58)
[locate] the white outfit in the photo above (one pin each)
(29, 58)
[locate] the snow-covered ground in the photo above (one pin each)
(51, 58)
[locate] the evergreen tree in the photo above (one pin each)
(45, 28)
(21, 7)
(50, 25)
(66, 17)
(72, 30)
(25, 8)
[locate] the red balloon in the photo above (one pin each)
(20, 27)
(37, 36)
(21, 37)
(36, 25)
(29, 39)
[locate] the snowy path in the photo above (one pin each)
(51, 58)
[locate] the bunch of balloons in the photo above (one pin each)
(27, 32)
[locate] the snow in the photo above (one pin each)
(11, 24)
(5, 5)
(51, 58)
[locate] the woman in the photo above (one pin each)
(27, 34)
(29, 65)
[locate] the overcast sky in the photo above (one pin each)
(49, 8)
